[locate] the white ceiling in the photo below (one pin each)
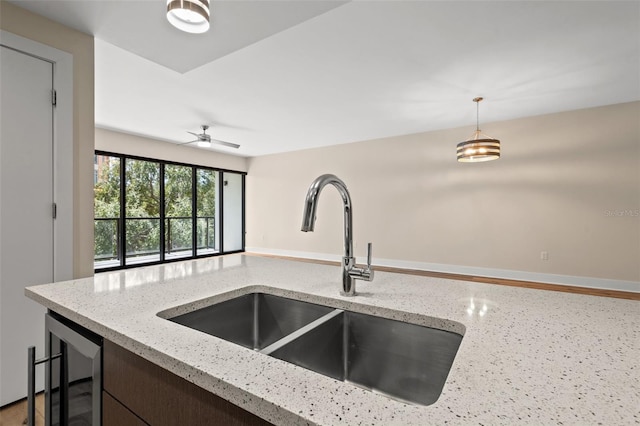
(278, 76)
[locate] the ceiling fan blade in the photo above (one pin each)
(229, 144)
(185, 143)
(195, 134)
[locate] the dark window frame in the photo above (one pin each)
(121, 229)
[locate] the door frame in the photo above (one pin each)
(63, 158)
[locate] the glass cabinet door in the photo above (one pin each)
(73, 379)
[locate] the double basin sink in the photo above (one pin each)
(404, 361)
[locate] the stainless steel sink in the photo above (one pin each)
(255, 320)
(404, 361)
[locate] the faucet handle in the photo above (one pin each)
(368, 273)
(359, 273)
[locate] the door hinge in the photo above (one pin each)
(54, 97)
(54, 210)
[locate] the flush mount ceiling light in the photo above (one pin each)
(479, 147)
(191, 16)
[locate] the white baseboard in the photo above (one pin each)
(569, 280)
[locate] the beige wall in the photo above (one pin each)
(122, 143)
(26, 24)
(567, 183)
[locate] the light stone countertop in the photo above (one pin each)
(527, 356)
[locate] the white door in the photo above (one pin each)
(232, 211)
(26, 220)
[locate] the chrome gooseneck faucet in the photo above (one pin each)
(349, 270)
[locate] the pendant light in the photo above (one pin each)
(479, 147)
(191, 16)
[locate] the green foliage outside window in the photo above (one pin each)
(178, 207)
(106, 204)
(142, 207)
(206, 208)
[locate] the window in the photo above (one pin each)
(207, 238)
(178, 211)
(142, 211)
(150, 211)
(106, 204)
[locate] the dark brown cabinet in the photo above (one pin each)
(116, 414)
(138, 392)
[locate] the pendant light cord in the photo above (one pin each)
(477, 101)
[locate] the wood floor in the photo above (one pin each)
(16, 414)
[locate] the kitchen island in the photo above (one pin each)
(526, 356)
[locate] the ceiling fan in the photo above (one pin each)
(204, 140)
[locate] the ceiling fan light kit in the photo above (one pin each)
(191, 16)
(479, 147)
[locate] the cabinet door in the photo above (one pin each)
(160, 398)
(116, 414)
(26, 221)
